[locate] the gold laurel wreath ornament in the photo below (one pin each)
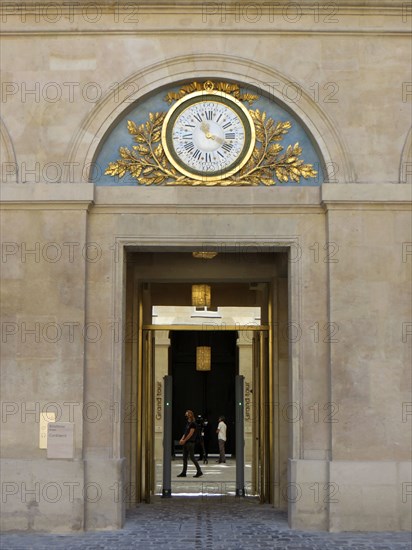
(148, 164)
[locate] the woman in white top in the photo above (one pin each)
(221, 438)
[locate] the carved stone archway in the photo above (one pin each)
(9, 172)
(85, 143)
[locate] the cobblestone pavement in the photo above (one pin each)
(208, 524)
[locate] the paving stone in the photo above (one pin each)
(205, 524)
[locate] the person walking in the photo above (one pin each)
(188, 440)
(201, 426)
(221, 438)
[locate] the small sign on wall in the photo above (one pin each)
(45, 418)
(60, 440)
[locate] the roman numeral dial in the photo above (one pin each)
(208, 135)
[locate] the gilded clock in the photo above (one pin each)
(208, 135)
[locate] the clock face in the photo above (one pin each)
(208, 135)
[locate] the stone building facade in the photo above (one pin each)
(86, 256)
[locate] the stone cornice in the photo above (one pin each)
(231, 17)
(366, 6)
(366, 196)
(18, 196)
(253, 200)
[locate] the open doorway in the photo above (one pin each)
(209, 393)
(251, 280)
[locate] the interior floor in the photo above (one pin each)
(218, 479)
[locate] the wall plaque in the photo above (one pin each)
(60, 440)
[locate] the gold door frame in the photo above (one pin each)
(262, 456)
(148, 413)
(263, 452)
(142, 464)
(139, 405)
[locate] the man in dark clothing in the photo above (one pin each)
(202, 427)
(188, 442)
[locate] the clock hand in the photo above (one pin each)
(205, 129)
(218, 139)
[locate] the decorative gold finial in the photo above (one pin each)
(203, 255)
(208, 85)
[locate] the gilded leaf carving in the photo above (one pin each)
(268, 164)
